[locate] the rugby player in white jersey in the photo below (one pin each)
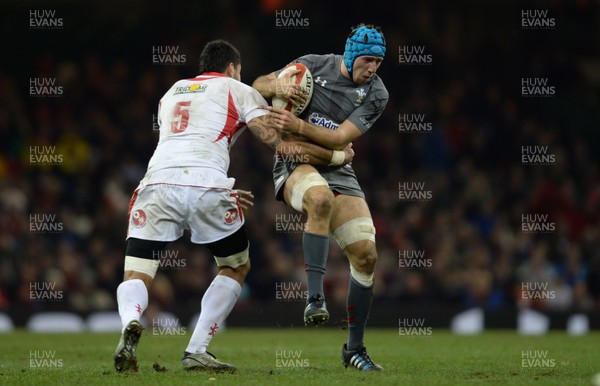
(186, 187)
(347, 100)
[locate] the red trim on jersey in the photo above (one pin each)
(208, 75)
(231, 124)
(212, 73)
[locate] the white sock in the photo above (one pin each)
(132, 297)
(217, 303)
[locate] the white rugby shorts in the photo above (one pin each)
(170, 201)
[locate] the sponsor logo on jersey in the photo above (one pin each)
(318, 120)
(321, 82)
(138, 218)
(231, 216)
(191, 89)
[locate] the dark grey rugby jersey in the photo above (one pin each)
(336, 98)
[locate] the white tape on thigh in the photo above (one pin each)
(235, 260)
(357, 229)
(364, 279)
(306, 182)
(137, 264)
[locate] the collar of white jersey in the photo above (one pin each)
(208, 75)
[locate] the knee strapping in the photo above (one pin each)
(302, 185)
(146, 266)
(358, 229)
(363, 279)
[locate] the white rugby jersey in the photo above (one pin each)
(200, 119)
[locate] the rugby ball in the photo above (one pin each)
(303, 78)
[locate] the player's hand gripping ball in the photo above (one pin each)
(294, 88)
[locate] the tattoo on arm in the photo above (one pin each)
(261, 129)
(292, 144)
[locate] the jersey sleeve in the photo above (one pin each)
(250, 103)
(370, 110)
(310, 61)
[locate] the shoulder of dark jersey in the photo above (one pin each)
(378, 90)
(313, 61)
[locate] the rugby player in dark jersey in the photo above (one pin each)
(348, 98)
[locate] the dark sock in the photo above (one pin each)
(358, 306)
(316, 249)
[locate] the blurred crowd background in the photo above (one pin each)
(103, 124)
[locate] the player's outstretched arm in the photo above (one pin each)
(314, 154)
(270, 85)
(264, 132)
(266, 85)
(332, 139)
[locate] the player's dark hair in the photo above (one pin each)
(375, 27)
(217, 55)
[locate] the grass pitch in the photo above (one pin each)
(306, 357)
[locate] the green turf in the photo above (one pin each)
(493, 358)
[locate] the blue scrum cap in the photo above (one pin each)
(364, 40)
